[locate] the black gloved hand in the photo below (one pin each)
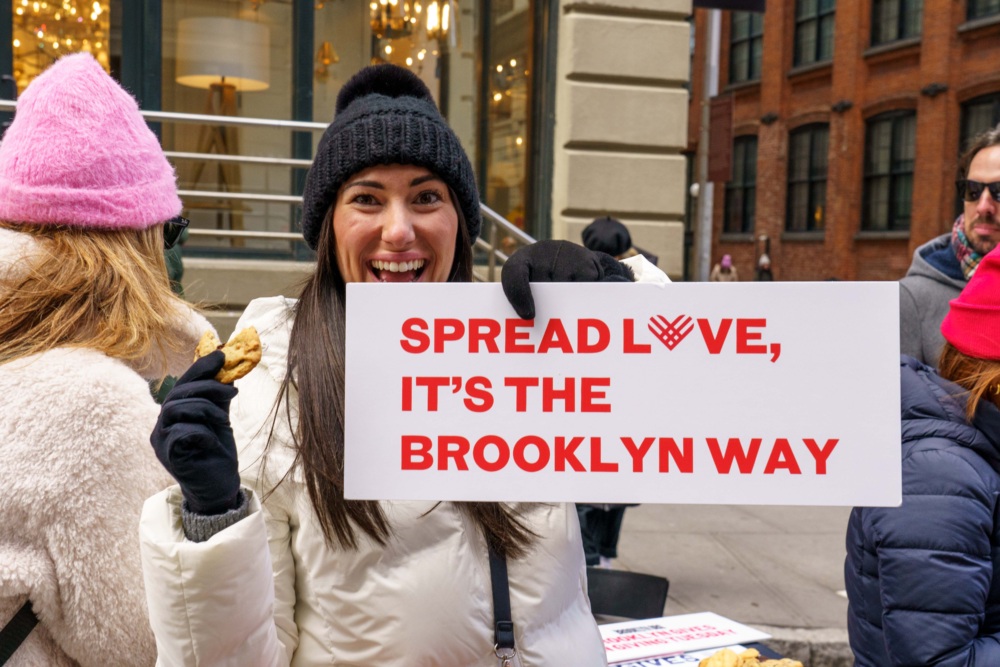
(556, 262)
(194, 441)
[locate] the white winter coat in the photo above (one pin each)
(423, 599)
(268, 590)
(75, 468)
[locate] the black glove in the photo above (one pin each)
(556, 262)
(194, 441)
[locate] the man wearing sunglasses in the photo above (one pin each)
(942, 266)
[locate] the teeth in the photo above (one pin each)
(397, 267)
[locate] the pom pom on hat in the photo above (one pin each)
(385, 80)
(386, 115)
(972, 324)
(79, 153)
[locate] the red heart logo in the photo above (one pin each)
(670, 333)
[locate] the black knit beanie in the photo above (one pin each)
(386, 115)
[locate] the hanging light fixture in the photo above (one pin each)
(43, 30)
(391, 19)
(439, 19)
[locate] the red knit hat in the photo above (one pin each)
(972, 324)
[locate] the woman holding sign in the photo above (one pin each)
(282, 569)
(923, 579)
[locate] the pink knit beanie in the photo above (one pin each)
(972, 324)
(78, 153)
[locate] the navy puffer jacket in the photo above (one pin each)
(922, 578)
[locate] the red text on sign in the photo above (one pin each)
(511, 336)
(477, 391)
(564, 391)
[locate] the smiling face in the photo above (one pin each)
(982, 217)
(395, 223)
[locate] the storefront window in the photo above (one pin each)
(435, 39)
(235, 59)
(508, 68)
(229, 59)
(44, 31)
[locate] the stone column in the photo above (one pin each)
(621, 121)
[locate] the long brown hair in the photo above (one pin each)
(105, 290)
(980, 377)
(316, 370)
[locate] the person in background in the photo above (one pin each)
(600, 528)
(724, 271)
(942, 266)
(175, 272)
(87, 203)
(601, 525)
(923, 584)
(282, 569)
(764, 268)
(610, 236)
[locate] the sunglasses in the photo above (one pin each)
(172, 230)
(971, 191)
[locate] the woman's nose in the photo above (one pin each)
(397, 227)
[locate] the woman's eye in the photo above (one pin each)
(365, 200)
(429, 197)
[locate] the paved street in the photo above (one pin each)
(776, 568)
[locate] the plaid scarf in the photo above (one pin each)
(967, 257)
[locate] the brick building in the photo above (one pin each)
(842, 124)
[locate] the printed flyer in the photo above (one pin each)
(630, 641)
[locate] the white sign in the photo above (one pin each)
(653, 637)
(771, 394)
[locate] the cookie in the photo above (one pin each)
(242, 353)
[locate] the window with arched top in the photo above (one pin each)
(893, 20)
(890, 149)
(977, 9)
(746, 46)
(813, 31)
(741, 190)
(807, 170)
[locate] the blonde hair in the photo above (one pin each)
(980, 377)
(105, 290)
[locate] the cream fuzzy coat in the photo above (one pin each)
(75, 468)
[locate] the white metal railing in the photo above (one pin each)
(497, 240)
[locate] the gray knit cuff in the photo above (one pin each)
(200, 527)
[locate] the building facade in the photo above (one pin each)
(838, 126)
(568, 109)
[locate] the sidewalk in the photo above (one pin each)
(779, 569)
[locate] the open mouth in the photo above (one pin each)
(397, 272)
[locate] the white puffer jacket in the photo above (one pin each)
(75, 468)
(268, 590)
(424, 599)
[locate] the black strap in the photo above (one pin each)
(16, 631)
(503, 633)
